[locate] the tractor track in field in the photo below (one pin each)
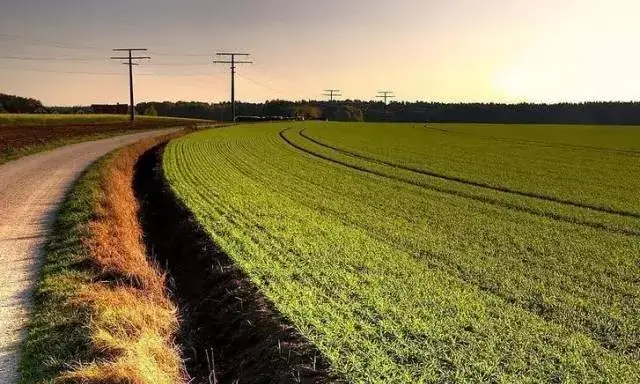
(629, 152)
(473, 183)
(487, 200)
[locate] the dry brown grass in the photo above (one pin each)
(133, 322)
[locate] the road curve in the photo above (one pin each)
(30, 190)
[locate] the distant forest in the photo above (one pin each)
(613, 113)
(17, 104)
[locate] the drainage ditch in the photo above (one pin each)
(230, 332)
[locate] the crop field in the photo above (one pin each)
(25, 119)
(438, 253)
(25, 134)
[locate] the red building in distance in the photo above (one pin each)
(118, 109)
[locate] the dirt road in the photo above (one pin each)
(30, 190)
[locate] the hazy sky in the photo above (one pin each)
(446, 50)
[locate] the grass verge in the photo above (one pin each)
(101, 313)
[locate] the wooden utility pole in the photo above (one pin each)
(331, 93)
(233, 63)
(130, 58)
(385, 95)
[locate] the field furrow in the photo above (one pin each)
(598, 220)
(402, 277)
(586, 176)
(498, 188)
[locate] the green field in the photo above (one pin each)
(440, 253)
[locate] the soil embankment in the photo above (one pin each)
(230, 331)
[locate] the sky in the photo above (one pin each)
(448, 50)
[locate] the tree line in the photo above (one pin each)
(17, 104)
(613, 113)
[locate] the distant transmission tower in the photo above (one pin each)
(130, 63)
(233, 63)
(331, 93)
(385, 95)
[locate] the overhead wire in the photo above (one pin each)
(259, 84)
(59, 71)
(165, 54)
(50, 43)
(43, 70)
(28, 58)
(61, 58)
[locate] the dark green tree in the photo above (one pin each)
(348, 113)
(151, 111)
(308, 112)
(17, 104)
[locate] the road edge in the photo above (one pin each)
(84, 299)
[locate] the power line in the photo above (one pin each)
(233, 63)
(63, 45)
(28, 58)
(153, 74)
(178, 64)
(385, 95)
(56, 71)
(331, 93)
(169, 54)
(270, 73)
(130, 63)
(182, 74)
(49, 43)
(260, 84)
(273, 72)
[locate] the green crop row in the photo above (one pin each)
(403, 276)
(596, 166)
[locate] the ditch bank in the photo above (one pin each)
(100, 311)
(230, 332)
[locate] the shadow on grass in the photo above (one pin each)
(57, 332)
(226, 321)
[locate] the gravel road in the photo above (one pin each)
(30, 190)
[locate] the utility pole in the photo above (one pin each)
(331, 93)
(385, 95)
(233, 63)
(130, 63)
